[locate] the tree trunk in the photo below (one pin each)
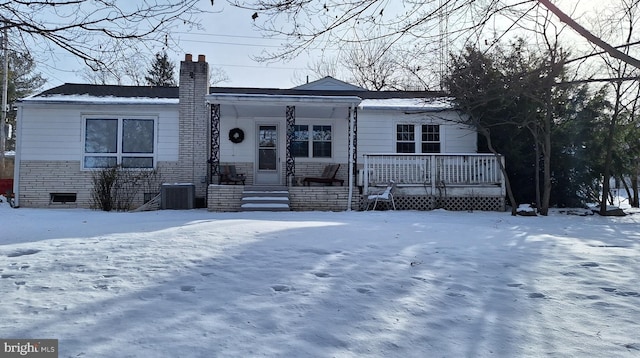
(505, 176)
(609, 151)
(635, 199)
(546, 138)
(537, 169)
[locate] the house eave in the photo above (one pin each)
(92, 100)
(280, 100)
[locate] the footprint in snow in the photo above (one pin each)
(363, 290)
(620, 293)
(281, 288)
(628, 293)
(589, 264)
(315, 251)
(23, 253)
(321, 274)
(188, 288)
(455, 294)
(537, 295)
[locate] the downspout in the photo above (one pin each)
(351, 149)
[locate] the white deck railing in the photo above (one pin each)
(431, 169)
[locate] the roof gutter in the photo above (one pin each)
(280, 100)
(97, 101)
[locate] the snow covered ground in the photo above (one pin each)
(321, 284)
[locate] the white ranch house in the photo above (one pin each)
(276, 137)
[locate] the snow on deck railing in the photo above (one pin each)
(431, 169)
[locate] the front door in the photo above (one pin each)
(267, 170)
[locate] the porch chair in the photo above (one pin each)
(229, 175)
(386, 195)
(328, 176)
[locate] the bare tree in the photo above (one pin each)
(95, 31)
(217, 75)
(440, 25)
(619, 21)
(309, 24)
(376, 65)
(129, 70)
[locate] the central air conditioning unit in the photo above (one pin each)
(177, 196)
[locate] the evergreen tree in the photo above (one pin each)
(23, 81)
(161, 72)
(502, 92)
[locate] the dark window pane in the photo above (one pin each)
(405, 147)
(322, 141)
(267, 160)
(137, 162)
(300, 149)
(137, 136)
(322, 149)
(101, 136)
(405, 132)
(430, 133)
(100, 162)
(430, 147)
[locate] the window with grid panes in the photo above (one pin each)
(300, 141)
(405, 138)
(430, 138)
(321, 141)
(311, 141)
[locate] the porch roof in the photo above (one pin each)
(264, 99)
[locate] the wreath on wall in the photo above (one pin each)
(236, 135)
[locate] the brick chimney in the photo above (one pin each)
(193, 122)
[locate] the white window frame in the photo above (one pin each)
(310, 140)
(439, 141)
(417, 136)
(119, 154)
(397, 141)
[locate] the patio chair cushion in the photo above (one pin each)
(328, 176)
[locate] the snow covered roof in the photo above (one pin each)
(85, 98)
(408, 104)
(106, 94)
(327, 89)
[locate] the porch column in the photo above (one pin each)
(291, 164)
(355, 140)
(214, 156)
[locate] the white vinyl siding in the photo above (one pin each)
(377, 131)
(55, 131)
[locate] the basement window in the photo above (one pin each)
(62, 198)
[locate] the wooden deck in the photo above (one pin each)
(434, 171)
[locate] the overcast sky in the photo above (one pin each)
(229, 41)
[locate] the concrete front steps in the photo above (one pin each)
(265, 198)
